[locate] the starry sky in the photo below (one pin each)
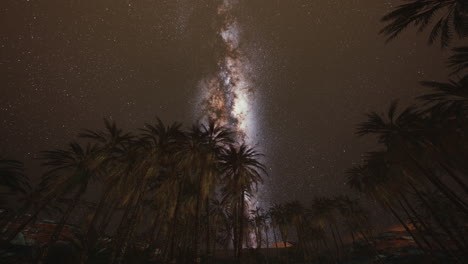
(317, 67)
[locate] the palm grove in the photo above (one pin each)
(178, 179)
(187, 191)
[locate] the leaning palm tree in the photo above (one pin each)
(242, 172)
(111, 142)
(322, 211)
(169, 141)
(142, 167)
(404, 137)
(450, 16)
(373, 180)
(70, 171)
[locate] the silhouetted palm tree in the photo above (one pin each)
(450, 16)
(373, 181)
(404, 137)
(111, 143)
(242, 172)
(258, 220)
(280, 219)
(297, 215)
(70, 171)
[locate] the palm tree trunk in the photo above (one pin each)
(276, 242)
(336, 242)
(339, 237)
(429, 230)
(106, 219)
(372, 245)
(214, 245)
(174, 220)
(241, 226)
(86, 245)
(137, 208)
(450, 160)
(153, 233)
(197, 220)
(235, 227)
(415, 226)
(440, 185)
(408, 230)
(436, 216)
(117, 239)
(208, 230)
(454, 176)
(129, 233)
(267, 241)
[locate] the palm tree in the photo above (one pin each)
(142, 167)
(297, 214)
(372, 180)
(219, 218)
(280, 219)
(404, 137)
(199, 156)
(274, 214)
(451, 15)
(70, 171)
(356, 218)
(258, 220)
(322, 211)
(242, 171)
(111, 142)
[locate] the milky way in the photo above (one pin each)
(227, 96)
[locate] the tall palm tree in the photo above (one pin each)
(242, 171)
(451, 15)
(111, 142)
(274, 213)
(219, 218)
(373, 181)
(200, 156)
(142, 166)
(403, 136)
(70, 171)
(280, 218)
(297, 214)
(322, 211)
(258, 220)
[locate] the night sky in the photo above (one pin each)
(316, 67)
